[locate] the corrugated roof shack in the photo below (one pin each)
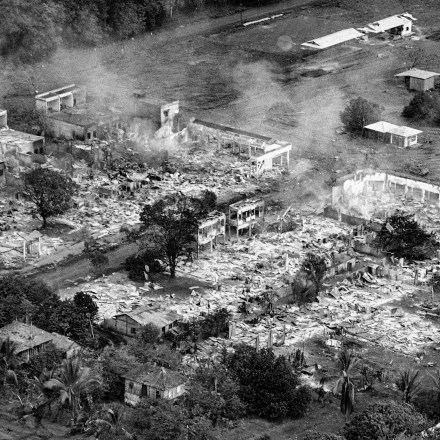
(210, 229)
(129, 323)
(420, 80)
(152, 381)
(245, 214)
(31, 340)
(400, 136)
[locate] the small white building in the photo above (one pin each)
(400, 25)
(400, 136)
(420, 80)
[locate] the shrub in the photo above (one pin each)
(424, 106)
(358, 113)
(384, 420)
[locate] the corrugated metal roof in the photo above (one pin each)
(157, 377)
(333, 39)
(417, 73)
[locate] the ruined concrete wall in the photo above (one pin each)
(63, 129)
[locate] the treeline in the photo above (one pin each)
(33, 29)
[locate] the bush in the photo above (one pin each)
(384, 420)
(424, 106)
(358, 114)
(135, 265)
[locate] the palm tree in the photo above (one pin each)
(111, 421)
(8, 360)
(72, 382)
(409, 384)
(347, 360)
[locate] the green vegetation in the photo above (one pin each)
(50, 190)
(359, 113)
(384, 420)
(402, 236)
(425, 106)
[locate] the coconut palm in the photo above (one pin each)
(111, 421)
(8, 360)
(347, 360)
(409, 384)
(72, 383)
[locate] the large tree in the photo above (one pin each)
(50, 190)
(424, 106)
(170, 225)
(359, 113)
(403, 236)
(268, 384)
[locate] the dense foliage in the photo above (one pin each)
(359, 113)
(402, 236)
(21, 298)
(33, 29)
(425, 106)
(268, 384)
(384, 420)
(322, 436)
(50, 191)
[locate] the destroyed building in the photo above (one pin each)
(70, 116)
(152, 381)
(262, 152)
(400, 136)
(210, 229)
(31, 340)
(245, 215)
(16, 149)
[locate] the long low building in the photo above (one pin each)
(400, 136)
(333, 39)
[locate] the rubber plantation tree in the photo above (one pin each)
(169, 225)
(359, 113)
(50, 190)
(401, 235)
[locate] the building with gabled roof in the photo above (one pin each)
(333, 39)
(152, 381)
(30, 340)
(399, 24)
(417, 79)
(401, 136)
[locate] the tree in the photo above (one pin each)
(20, 297)
(409, 384)
(268, 384)
(384, 420)
(30, 29)
(149, 333)
(50, 191)
(85, 305)
(401, 235)
(170, 225)
(424, 106)
(346, 361)
(417, 57)
(98, 260)
(72, 384)
(308, 281)
(359, 113)
(8, 360)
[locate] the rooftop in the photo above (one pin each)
(82, 115)
(13, 137)
(146, 315)
(248, 203)
(405, 131)
(389, 23)
(56, 92)
(24, 335)
(417, 73)
(333, 39)
(27, 336)
(159, 378)
(233, 130)
(381, 126)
